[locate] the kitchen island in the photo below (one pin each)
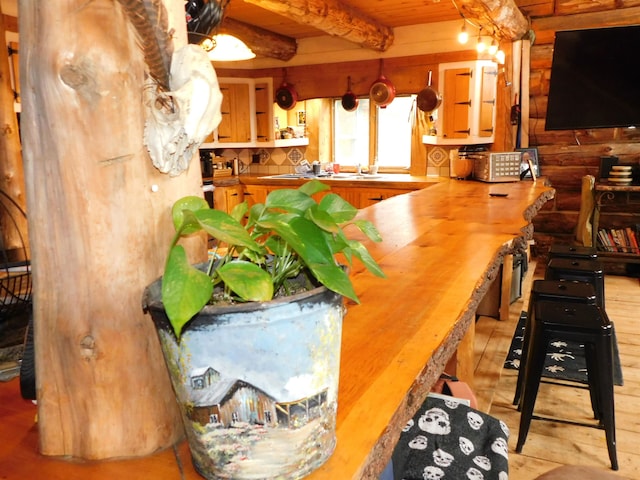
(442, 247)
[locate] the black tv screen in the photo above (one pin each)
(593, 81)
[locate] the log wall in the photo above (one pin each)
(566, 156)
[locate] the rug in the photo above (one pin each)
(565, 360)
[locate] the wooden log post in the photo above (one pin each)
(14, 235)
(100, 228)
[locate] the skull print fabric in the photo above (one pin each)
(447, 440)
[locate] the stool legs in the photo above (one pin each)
(589, 325)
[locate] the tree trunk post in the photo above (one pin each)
(99, 219)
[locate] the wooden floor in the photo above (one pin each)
(548, 444)
(551, 444)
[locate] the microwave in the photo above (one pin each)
(497, 166)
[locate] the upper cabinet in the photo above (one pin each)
(247, 116)
(468, 110)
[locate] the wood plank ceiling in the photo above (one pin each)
(272, 27)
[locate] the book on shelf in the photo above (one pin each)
(621, 240)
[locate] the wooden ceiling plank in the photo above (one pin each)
(334, 18)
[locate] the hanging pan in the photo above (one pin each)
(429, 98)
(382, 91)
(349, 99)
(286, 95)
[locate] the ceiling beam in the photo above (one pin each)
(501, 18)
(334, 18)
(262, 42)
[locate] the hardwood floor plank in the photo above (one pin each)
(550, 444)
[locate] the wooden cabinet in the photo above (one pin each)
(235, 126)
(247, 116)
(468, 111)
(370, 196)
(225, 198)
(359, 197)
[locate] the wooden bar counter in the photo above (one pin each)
(442, 246)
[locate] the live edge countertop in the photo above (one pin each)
(441, 248)
(393, 181)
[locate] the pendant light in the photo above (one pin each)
(228, 48)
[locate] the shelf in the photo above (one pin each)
(282, 143)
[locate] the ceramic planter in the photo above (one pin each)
(257, 383)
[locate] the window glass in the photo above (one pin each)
(394, 132)
(351, 134)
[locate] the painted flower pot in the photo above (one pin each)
(257, 383)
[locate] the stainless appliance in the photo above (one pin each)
(496, 166)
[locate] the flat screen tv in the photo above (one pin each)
(593, 81)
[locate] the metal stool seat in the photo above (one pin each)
(589, 271)
(554, 291)
(573, 251)
(589, 325)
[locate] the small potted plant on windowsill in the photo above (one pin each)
(252, 339)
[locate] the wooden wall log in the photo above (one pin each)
(100, 225)
(565, 155)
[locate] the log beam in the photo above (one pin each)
(334, 18)
(506, 19)
(261, 41)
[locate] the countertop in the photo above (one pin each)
(393, 181)
(442, 247)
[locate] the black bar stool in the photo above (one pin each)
(553, 291)
(575, 252)
(590, 271)
(589, 325)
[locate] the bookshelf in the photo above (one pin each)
(617, 243)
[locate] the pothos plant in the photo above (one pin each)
(264, 254)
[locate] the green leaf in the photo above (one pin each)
(248, 281)
(313, 187)
(322, 219)
(225, 228)
(368, 229)
(294, 201)
(190, 203)
(334, 278)
(185, 289)
(239, 211)
(302, 235)
(362, 254)
(341, 210)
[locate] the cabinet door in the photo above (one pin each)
(487, 101)
(255, 194)
(225, 198)
(371, 196)
(264, 118)
(456, 103)
(235, 126)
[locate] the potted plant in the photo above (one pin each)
(252, 338)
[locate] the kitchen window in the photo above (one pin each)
(352, 132)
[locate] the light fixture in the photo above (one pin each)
(227, 48)
(493, 48)
(500, 57)
(463, 36)
(480, 45)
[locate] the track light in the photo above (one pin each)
(463, 36)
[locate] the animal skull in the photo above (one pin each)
(178, 121)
